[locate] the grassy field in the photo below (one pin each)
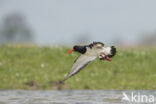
(33, 67)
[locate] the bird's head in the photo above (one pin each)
(76, 48)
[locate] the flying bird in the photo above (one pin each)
(89, 53)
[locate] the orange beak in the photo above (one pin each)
(70, 51)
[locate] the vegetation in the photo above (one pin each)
(33, 67)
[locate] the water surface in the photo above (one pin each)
(65, 97)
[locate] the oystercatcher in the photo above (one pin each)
(89, 53)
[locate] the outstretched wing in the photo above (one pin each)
(79, 64)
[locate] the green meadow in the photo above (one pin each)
(34, 67)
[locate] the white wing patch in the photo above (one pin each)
(79, 64)
(107, 50)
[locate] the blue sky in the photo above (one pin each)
(63, 21)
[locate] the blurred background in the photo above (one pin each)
(36, 34)
(66, 22)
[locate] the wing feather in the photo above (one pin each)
(81, 62)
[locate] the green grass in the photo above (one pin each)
(33, 67)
